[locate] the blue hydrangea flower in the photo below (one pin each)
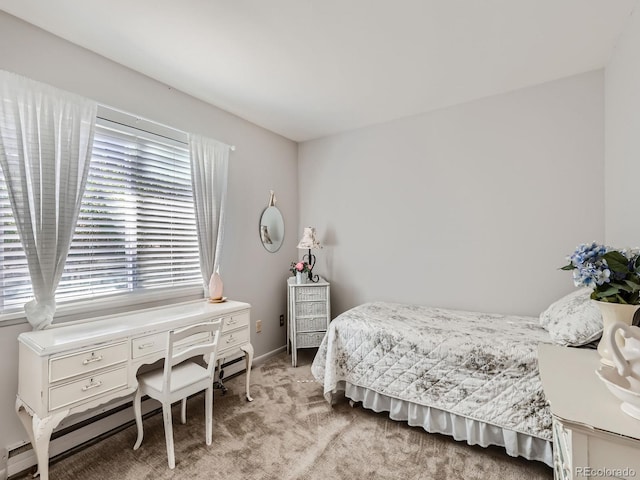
(613, 274)
(591, 274)
(587, 253)
(591, 269)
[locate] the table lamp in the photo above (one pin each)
(309, 242)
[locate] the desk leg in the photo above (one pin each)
(39, 431)
(248, 358)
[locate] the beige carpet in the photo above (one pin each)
(290, 432)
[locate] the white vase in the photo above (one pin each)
(611, 313)
(301, 277)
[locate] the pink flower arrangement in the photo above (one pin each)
(302, 267)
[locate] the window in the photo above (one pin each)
(136, 230)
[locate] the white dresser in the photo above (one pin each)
(78, 366)
(309, 314)
(592, 437)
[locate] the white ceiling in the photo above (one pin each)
(310, 68)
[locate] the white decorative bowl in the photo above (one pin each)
(619, 387)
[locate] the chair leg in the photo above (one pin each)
(137, 410)
(208, 409)
(183, 411)
(168, 434)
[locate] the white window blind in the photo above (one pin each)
(14, 275)
(136, 229)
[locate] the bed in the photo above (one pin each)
(473, 376)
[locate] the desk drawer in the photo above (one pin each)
(86, 361)
(235, 321)
(230, 341)
(87, 388)
(158, 343)
(142, 346)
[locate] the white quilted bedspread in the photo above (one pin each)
(477, 365)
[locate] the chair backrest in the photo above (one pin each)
(192, 341)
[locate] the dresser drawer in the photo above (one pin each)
(87, 388)
(236, 321)
(230, 341)
(87, 361)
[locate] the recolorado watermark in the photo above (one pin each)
(591, 472)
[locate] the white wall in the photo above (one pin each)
(472, 207)
(262, 161)
(622, 114)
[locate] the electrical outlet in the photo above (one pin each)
(258, 326)
(282, 320)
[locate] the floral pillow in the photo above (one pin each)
(573, 320)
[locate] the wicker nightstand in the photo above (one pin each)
(309, 313)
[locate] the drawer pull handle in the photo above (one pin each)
(91, 385)
(232, 321)
(146, 345)
(93, 358)
(230, 339)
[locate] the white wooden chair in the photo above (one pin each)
(180, 378)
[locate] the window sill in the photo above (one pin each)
(88, 309)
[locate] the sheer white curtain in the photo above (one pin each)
(46, 137)
(209, 174)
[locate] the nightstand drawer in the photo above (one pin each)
(304, 294)
(311, 309)
(312, 339)
(87, 387)
(86, 361)
(311, 324)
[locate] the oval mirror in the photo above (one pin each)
(271, 229)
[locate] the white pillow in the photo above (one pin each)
(573, 320)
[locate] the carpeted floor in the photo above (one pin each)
(290, 432)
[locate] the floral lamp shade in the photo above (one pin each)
(308, 240)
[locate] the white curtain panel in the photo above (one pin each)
(209, 174)
(46, 137)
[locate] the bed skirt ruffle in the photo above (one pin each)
(434, 420)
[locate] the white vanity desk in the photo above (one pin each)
(592, 437)
(74, 367)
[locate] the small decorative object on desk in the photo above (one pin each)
(614, 276)
(301, 271)
(218, 300)
(215, 288)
